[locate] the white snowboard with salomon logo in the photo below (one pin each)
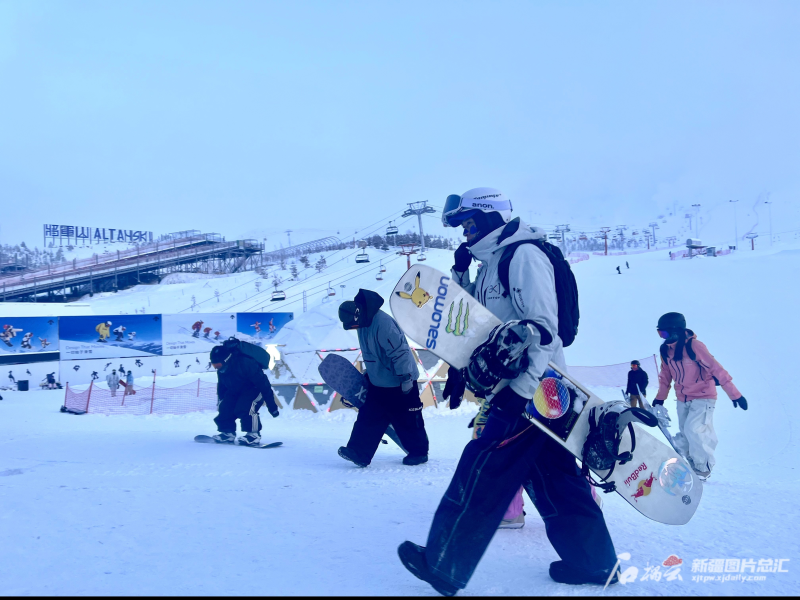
(438, 314)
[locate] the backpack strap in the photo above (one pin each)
(502, 271)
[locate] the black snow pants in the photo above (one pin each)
(385, 406)
(242, 408)
(485, 481)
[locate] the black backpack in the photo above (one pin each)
(601, 448)
(257, 353)
(566, 286)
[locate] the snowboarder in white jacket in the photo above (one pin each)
(112, 379)
(488, 476)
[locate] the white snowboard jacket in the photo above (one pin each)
(532, 294)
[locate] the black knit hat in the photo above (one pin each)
(219, 354)
(636, 362)
(349, 313)
(672, 321)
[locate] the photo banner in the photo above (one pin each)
(260, 327)
(22, 337)
(190, 333)
(110, 336)
(77, 372)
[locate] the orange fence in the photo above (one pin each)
(199, 395)
(202, 395)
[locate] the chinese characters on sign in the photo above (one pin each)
(75, 233)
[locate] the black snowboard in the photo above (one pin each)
(345, 380)
(207, 439)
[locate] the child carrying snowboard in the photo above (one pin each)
(696, 373)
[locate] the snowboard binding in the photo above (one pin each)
(607, 424)
(502, 356)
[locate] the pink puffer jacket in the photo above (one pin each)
(693, 379)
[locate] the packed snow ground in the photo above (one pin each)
(130, 505)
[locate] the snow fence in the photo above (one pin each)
(309, 394)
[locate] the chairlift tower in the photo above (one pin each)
(654, 226)
(419, 209)
(604, 234)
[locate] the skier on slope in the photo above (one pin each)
(488, 476)
(392, 394)
(242, 389)
(198, 325)
(686, 361)
(206, 332)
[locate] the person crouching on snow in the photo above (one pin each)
(686, 361)
(242, 389)
(392, 393)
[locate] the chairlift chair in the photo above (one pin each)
(278, 296)
(383, 269)
(363, 257)
(421, 257)
(391, 230)
(331, 291)
(379, 276)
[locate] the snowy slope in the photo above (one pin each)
(129, 505)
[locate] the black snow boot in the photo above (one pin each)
(561, 572)
(348, 454)
(413, 559)
(415, 460)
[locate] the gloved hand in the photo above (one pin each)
(740, 403)
(660, 413)
(463, 258)
(407, 385)
(454, 388)
(658, 402)
(274, 413)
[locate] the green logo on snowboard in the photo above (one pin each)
(458, 329)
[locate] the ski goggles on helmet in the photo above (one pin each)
(664, 334)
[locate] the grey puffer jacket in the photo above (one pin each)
(532, 295)
(387, 355)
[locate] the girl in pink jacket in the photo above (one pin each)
(686, 362)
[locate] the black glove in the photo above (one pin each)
(463, 258)
(740, 403)
(274, 413)
(454, 388)
(657, 402)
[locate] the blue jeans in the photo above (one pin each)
(485, 481)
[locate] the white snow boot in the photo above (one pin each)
(249, 439)
(224, 438)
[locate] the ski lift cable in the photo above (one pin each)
(320, 291)
(273, 271)
(320, 273)
(353, 274)
(323, 287)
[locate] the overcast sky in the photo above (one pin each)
(221, 116)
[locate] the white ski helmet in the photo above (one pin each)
(483, 199)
